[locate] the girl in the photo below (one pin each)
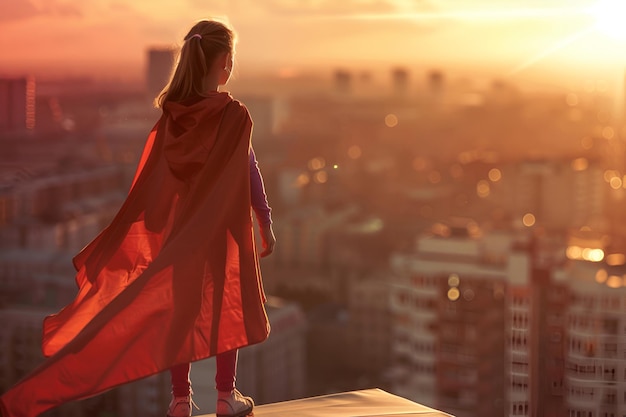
(175, 277)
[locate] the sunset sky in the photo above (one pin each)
(108, 38)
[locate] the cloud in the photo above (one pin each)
(17, 10)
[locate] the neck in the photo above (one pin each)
(210, 84)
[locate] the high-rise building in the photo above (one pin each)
(595, 359)
(448, 309)
(17, 104)
(160, 65)
(400, 79)
(503, 324)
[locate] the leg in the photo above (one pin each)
(230, 402)
(181, 385)
(226, 372)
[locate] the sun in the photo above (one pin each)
(610, 17)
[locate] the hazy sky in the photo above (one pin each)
(108, 38)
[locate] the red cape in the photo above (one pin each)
(174, 278)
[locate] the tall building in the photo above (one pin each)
(502, 324)
(596, 347)
(17, 104)
(400, 80)
(448, 309)
(560, 194)
(160, 65)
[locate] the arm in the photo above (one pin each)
(260, 206)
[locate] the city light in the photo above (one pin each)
(584, 254)
(580, 164)
(317, 163)
(528, 220)
(616, 183)
(453, 294)
(302, 180)
(320, 177)
(354, 152)
(495, 174)
(614, 281)
(601, 276)
(454, 280)
(482, 189)
(391, 120)
(615, 259)
(608, 132)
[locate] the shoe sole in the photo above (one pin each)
(240, 414)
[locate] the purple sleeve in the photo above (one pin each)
(257, 193)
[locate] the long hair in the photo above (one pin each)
(204, 42)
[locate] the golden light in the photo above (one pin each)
(616, 259)
(320, 177)
(302, 180)
(614, 281)
(529, 220)
(453, 294)
(454, 280)
(354, 152)
(616, 183)
(574, 252)
(586, 142)
(580, 164)
(317, 163)
(608, 132)
(495, 174)
(391, 120)
(601, 276)
(482, 189)
(610, 174)
(609, 17)
(434, 177)
(596, 255)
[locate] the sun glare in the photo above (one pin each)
(609, 16)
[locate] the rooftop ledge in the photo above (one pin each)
(365, 403)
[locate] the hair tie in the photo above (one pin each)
(196, 35)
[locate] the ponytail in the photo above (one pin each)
(202, 45)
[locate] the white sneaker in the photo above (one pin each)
(180, 407)
(233, 404)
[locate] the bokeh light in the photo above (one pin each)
(528, 220)
(391, 120)
(453, 294)
(354, 152)
(495, 174)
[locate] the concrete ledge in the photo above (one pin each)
(365, 403)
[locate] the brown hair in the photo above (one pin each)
(204, 42)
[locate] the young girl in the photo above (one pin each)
(175, 277)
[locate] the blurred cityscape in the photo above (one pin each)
(455, 241)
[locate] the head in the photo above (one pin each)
(205, 61)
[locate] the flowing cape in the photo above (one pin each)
(174, 278)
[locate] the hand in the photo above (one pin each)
(267, 239)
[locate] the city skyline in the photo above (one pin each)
(108, 39)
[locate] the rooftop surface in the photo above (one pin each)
(365, 403)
